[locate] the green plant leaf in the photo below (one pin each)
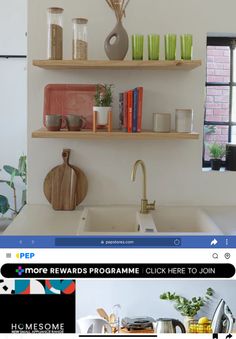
(22, 164)
(104, 95)
(187, 307)
(209, 129)
(23, 198)
(22, 168)
(210, 292)
(4, 204)
(11, 170)
(217, 151)
(163, 296)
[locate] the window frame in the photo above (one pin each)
(231, 43)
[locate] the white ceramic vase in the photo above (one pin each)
(102, 115)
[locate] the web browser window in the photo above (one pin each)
(113, 167)
(103, 287)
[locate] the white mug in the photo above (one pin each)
(161, 122)
(184, 120)
(154, 326)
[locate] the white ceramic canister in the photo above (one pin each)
(161, 122)
(184, 120)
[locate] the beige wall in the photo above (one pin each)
(174, 167)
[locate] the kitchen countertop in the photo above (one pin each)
(43, 220)
(224, 217)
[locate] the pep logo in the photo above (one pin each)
(25, 255)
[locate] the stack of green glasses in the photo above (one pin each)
(186, 43)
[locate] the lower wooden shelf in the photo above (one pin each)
(116, 134)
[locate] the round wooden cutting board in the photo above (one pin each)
(65, 186)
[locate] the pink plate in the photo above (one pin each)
(70, 99)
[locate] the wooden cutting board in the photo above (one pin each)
(103, 314)
(65, 186)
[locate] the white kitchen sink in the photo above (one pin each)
(184, 220)
(128, 220)
(115, 220)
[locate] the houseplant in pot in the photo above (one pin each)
(217, 152)
(103, 101)
(188, 308)
(14, 173)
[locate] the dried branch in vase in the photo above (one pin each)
(118, 49)
(119, 7)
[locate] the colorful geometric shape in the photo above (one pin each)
(59, 286)
(22, 286)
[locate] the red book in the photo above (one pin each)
(125, 112)
(130, 111)
(140, 108)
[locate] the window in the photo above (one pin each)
(220, 107)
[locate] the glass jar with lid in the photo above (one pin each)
(55, 33)
(80, 39)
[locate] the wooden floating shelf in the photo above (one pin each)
(116, 135)
(119, 65)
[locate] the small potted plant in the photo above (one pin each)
(188, 308)
(103, 102)
(217, 152)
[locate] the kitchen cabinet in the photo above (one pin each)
(13, 27)
(184, 65)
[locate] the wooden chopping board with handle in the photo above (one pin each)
(65, 186)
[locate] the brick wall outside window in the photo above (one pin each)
(217, 98)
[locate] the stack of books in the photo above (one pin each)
(131, 110)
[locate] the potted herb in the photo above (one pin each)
(217, 152)
(103, 102)
(189, 308)
(19, 172)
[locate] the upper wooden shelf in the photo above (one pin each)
(116, 134)
(119, 65)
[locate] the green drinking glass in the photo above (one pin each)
(153, 46)
(186, 42)
(170, 46)
(137, 46)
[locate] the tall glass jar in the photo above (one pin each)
(55, 33)
(80, 39)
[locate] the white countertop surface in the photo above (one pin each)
(224, 217)
(43, 220)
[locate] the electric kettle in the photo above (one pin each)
(93, 324)
(165, 325)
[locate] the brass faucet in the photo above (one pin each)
(145, 205)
